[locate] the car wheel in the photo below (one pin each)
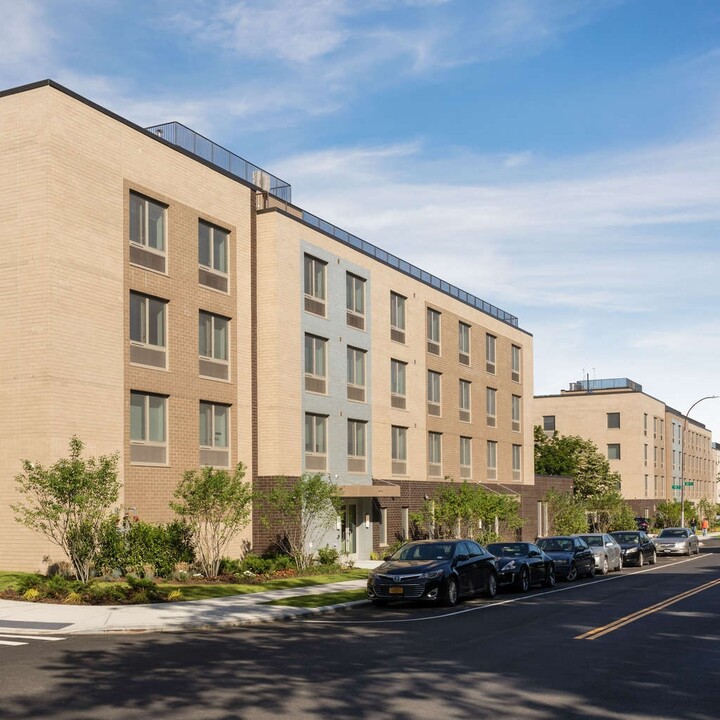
(653, 558)
(619, 564)
(524, 580)
(491, 589)
(572, 573)
(604, 567)
(450, 597)
(550, 578)
(689, 552)
(641, 559)
(591, 572)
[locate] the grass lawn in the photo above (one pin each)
(312, 601)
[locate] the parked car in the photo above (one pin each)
(522, 564)
(571, 555)
(677, 541)
(436, 570)
(637, 547)
(642, 524)
(607, 551)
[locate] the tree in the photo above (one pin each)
(567, 513)
(302, 513)
(573, 456)
(69, 501)
(668, 513)
(216, 505)
(610, 512)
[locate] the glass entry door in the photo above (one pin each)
(349, 529)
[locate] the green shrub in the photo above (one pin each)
(230, 566)
(256, 564)
(328, 555)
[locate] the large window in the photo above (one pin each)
(464, 343)
(515, 362)
(315, 442)
(491, 460)
(398, 391)
(516, 411)
(148, 428)
(399, 450)
(213, 245)
(517, 462)
(356, 445)
(613, 420)
(491, 406)
(147, 330)
(433, 392)
(397, 317)
(356, 359)
(433, 331)
(214, 434)
(315, 364)
(315, 285)
(213, 345)
(355, 302)
(465, 458)
(147, 223)
(464, 387)
(613, 451)
(490, 345)
(435, 454)
(549, 423)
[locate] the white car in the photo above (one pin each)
(607, 551)
(677, 541)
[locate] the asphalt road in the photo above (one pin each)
(639, 644)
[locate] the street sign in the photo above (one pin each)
(675, 487)
(690, 482)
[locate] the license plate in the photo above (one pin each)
(396, 591)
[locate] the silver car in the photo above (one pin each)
(607, 551)
(677, 541)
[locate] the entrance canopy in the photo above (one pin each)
(369, 491)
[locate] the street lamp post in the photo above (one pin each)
(682, 462)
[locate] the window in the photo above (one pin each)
(147, 330)
(397, 317)
(464, 400)
(645, 423)
(435, 454)
(491, 460)
(613, 451)
(147, 223)
(645, 455)
(355, 303)
(464, 343)
(398, 372)
(213, 345)
(214, 434)
(213, 243)
(465, 458)
(399, 450)
(613, 420)
(516, 411)
(356, 445)
(315, 442)
(315, 364)
(315, 282)
(515, 361)
(433, 331)
(490, 343)
(356, 374)
(549, 423)
(517, 462)
(433, 392)
(491, 406)
(148, 428)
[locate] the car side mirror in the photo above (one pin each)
(462, 557)
(387, 557)
(534, 553)
(609, 544)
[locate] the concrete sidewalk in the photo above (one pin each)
(46, 618)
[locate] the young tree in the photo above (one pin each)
(567, 513)
(216, 505)
(668, 513)
(610, 512)
(302, 513)
(69, 501)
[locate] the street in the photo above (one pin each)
(643, 643)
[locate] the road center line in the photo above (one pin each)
(621, 622)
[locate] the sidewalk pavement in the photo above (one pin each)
(56, 619)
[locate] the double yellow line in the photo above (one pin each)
(617, 624)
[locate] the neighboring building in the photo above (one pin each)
(652, 446)
(716, 458)
(162, 298)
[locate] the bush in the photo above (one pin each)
(328, 555)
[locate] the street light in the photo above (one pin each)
(682, 462)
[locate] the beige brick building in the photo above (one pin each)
(162, 298)
(643, 439)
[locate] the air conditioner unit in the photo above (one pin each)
(261, 179)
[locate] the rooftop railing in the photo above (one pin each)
(187, 139)
(607, 384)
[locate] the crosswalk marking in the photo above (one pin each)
(13, 639)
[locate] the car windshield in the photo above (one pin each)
(428, 551)
(555, 544)
(508, 549)
(673, 532)
(593, 540)
(627, 538)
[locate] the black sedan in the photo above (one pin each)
(438, 570)
(572, 556)
(522, 564)
(637, 547)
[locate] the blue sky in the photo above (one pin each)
(558, 158)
